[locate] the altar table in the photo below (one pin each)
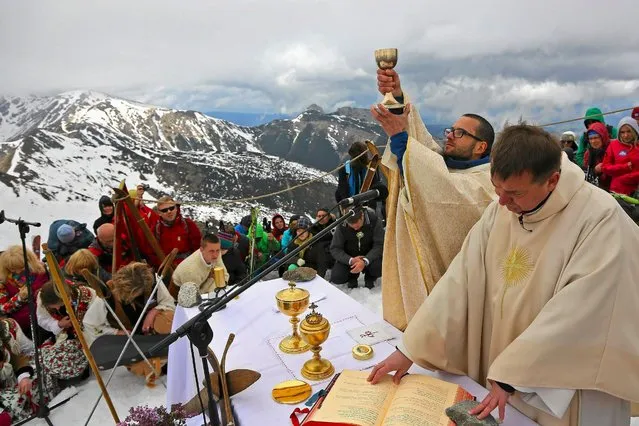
(258, 327)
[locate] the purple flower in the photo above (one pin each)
(156, 416)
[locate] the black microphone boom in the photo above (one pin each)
(361, 198)
(17, 221)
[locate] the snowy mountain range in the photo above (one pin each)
(59, 154)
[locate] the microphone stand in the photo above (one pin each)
(43, 409)
(198, 330)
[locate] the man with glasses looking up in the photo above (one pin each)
(435, 196)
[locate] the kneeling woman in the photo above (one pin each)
(131, 289)
(132, 286)
(64, 359)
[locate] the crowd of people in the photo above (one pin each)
(607, 154)
(123, 254)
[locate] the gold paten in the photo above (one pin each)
(314, 331)
(291, 392)
(292, 302)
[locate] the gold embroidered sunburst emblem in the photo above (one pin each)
(515, 268)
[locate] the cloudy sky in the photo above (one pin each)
(541, 60)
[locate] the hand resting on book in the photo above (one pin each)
(397, 362)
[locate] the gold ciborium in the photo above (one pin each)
(293, 301)
(387, 60)
(315, 330)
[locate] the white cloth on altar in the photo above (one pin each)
(257, 328)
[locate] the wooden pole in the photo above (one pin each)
(116, 241)
(56, 276)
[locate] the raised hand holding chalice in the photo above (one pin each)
(387, 59)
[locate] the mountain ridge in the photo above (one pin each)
(64, 152)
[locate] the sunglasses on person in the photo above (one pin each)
(459, 133)
(167, 209)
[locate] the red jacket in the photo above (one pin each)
(182, 234)
(615, 164)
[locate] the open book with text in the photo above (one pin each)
(418, 400)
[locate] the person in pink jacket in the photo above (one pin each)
(621, 161)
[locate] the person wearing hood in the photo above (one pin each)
(106, 213)
(278, 226)
(175, 231)
(635, 114)
(265, 244)
(593, 115)
(312, 256)
(569, 144)
(66, 236)
(244, 225)
(621, 161)
(598, 141)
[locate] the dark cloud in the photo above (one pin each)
(495, 56)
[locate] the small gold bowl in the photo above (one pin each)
(362, 352)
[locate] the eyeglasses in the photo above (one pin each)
(167, 209)
(459, 133)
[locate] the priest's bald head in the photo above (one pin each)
(106, 235)
(525, 167)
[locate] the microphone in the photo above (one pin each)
(3, 218)
(361, 198)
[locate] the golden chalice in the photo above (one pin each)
(293, 301)
(387, 60)
(315, 330)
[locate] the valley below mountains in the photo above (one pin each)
(59, 154)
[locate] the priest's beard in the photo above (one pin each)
(458, 157)
(460, 154)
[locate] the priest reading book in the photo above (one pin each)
(418, 400)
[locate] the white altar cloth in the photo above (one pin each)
(258, 327)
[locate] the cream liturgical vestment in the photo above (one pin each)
(548, 306)
(429, 211)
